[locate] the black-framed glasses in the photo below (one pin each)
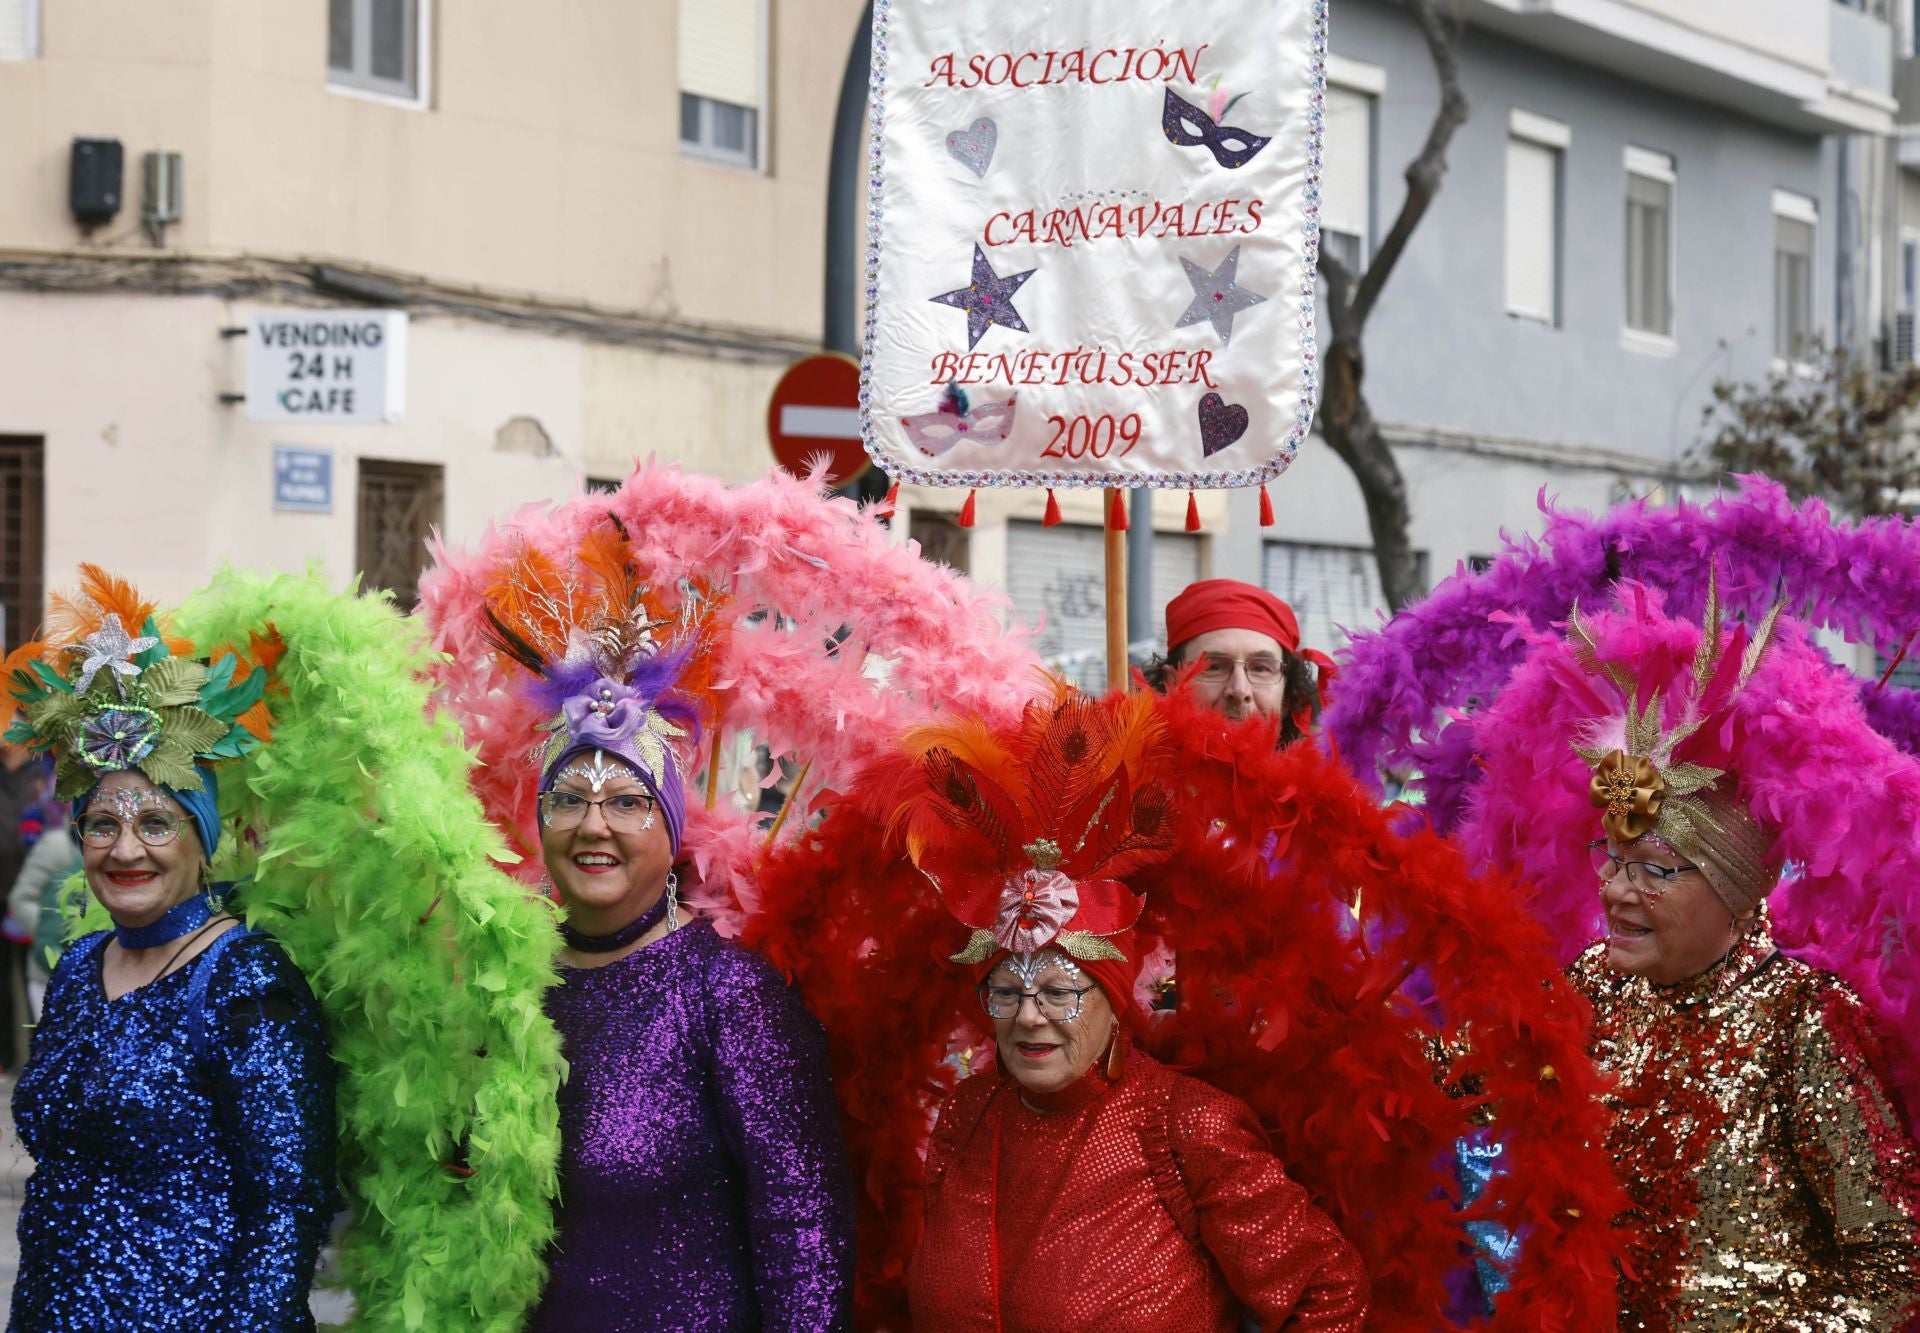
(1057, 1004)
(628, 812)
(1650, 879)
(1261, 668)
(156, 828)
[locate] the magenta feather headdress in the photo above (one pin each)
(1839, 802)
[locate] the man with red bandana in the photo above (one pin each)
(1246, 643)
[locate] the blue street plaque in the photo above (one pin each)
(303, 479)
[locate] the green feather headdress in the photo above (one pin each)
(104, 691)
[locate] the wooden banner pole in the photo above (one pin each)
(1117, 675)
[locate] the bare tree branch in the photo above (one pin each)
(1426, 171)
(1347, 422)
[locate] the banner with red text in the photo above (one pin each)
(1092, 230)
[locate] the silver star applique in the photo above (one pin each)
(1217, 298)
(109, 648)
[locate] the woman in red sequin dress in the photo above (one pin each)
(1079, 1185)
(1773, 1181)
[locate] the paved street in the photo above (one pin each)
(15, 1167)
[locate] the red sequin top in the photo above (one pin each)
(1147, 1205)
(1773, 1184)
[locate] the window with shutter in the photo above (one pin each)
(1649, 257)
(1792, 286)
(1533, 188)
(1331, 588)
(19, 29)
(377, 46)
(721, 46)
(1346, 175)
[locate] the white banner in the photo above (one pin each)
(1092, 231)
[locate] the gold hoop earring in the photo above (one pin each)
(1114, 1054)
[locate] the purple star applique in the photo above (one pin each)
(988, 299)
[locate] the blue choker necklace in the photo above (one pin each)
(179, 920)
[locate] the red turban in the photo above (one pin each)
(1230, 604)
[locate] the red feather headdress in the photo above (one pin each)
(1029, 833)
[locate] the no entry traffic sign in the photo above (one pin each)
(814, 414)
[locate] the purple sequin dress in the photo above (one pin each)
(703, 1178)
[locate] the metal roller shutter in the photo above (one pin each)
(1057, 579)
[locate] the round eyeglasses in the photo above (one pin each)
(1057, 1004)
(628, 812)
(1261, 668)
(1651, 880)
(156, 828)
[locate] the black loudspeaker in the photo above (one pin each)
(93, 187)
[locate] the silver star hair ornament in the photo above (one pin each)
(108, 649)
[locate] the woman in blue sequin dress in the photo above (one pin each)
(178, 1096)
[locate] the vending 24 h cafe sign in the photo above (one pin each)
(1093, 229)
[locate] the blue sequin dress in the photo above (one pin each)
(183, 1145)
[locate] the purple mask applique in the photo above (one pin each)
(1188, 126)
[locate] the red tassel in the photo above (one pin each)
(1053, 511)
(966, 512)
(1117, 512)
(1193, 513)
(1266, 508)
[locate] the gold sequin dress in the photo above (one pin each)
(1773, 1184)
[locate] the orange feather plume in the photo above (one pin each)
(71, 617)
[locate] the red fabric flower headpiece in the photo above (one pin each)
(1029, 833)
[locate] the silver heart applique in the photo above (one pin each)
(973, 148)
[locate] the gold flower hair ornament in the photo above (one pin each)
(1637, 779)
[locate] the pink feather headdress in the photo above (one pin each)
(1837, 801)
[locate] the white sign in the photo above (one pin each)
(1095, 230)
(327, 365)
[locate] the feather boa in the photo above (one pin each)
(1844, 800)
(1284, 1001)
(371, 868)
(864, 639)
(1398, 682)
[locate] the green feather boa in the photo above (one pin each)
(373, 871)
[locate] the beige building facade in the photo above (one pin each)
(605, 222)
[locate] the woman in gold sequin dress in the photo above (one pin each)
(1773, 1179)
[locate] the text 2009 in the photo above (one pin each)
(1084, 437)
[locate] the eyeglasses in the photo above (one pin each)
(1261, 668)
(1651, 880)
(156, 828)
(1057, 1004)
(629, 812)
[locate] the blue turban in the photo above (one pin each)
(202, 805)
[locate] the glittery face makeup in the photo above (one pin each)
(608, 873)
(136, 881)
(595, 770)
(1041, 1054)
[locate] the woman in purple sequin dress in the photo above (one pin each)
(703, 1177)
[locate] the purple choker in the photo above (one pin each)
(621, 938)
